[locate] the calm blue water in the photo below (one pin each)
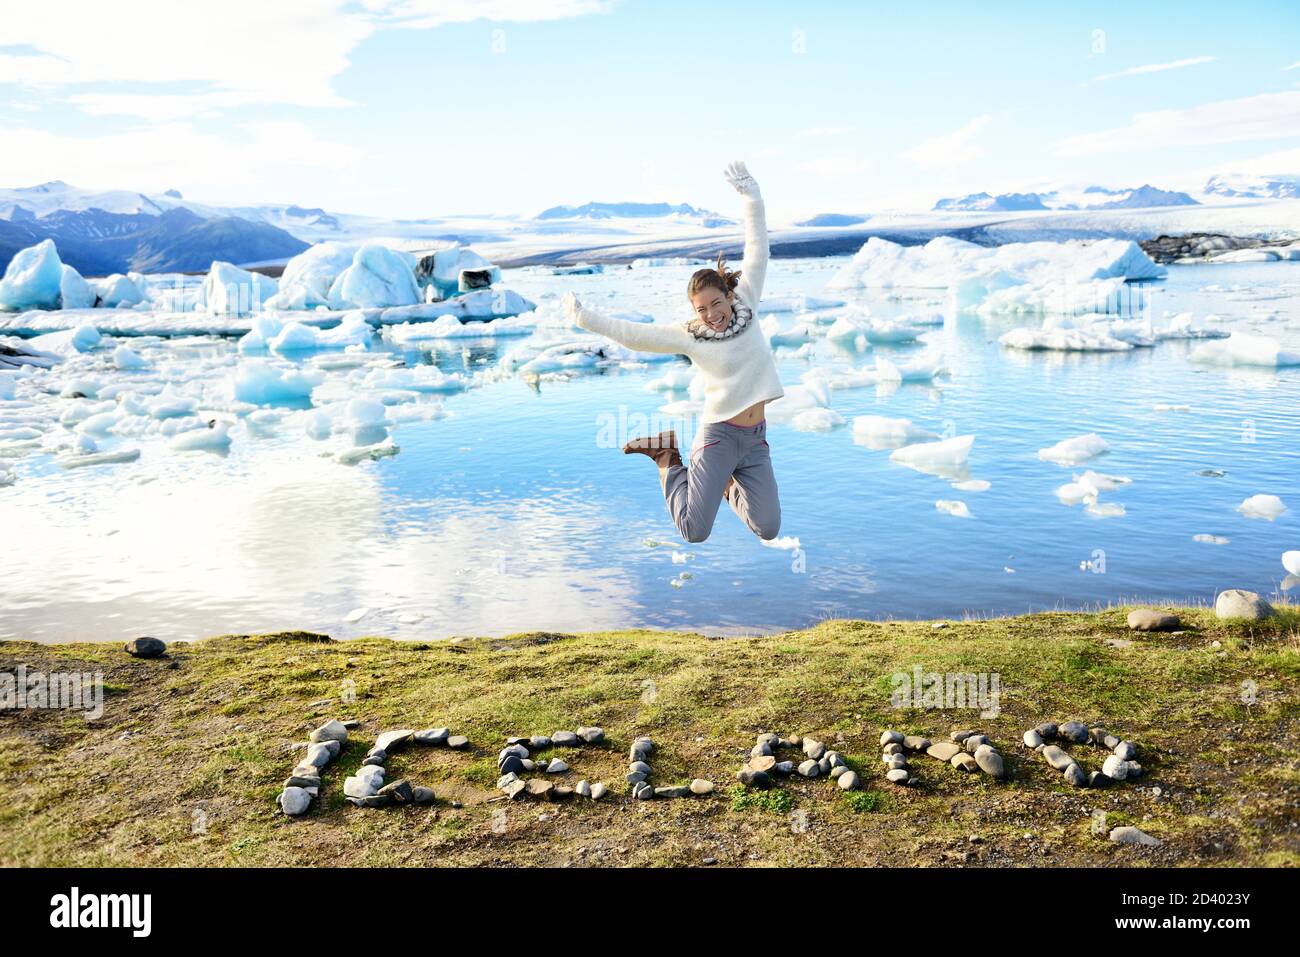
(508, 515)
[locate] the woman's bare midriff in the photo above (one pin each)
(751, 416)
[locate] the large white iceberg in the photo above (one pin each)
(74, 292)
(947, 457)
(378, 277)
(119, 292)
(1242, 349)
(231, 291)
(444, 269)
(307, 277)
(33, 279)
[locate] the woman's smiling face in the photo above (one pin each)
(712, 307)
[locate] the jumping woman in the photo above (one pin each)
(730, 457)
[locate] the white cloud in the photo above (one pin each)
(833, 166)
(1292, 66)
(953, 149)
(1265, 116)
(177, 154)
(247, 52)
(1156, 67)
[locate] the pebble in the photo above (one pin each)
(583, 789)
(824, 766)
(319, 755)
(1239, 603)
(145, 647)
(755, 779)
(1033, 739)
(974, 742)
(1115, 768)
(1074, 774)
(635, 777)
(990, 762)
(1056, 757)
(814, 749)
(894, 748)
(515, 788)
(358, 787)
(898, 775)
(598, 791)
(770, 738)
(1147, 619)
(370, 772)
(1075, 731)
(539, 788)
(643, 792)
(399, 792)
(783, 767)
(943, 750)
(914, 742)
(839, 770)
(294, 801)
(1098, 779)
(510, 764)
(847, 781)
(422, 795)
(809, 768)
(433, 736)
(893, 761)
(891, 737)
(374, 759)
(639, 766)
(592, 735)
(389, 739)
(1125, 751)
(538, 741)
(701, 786)
(556, 767)
(960, 736)
(458, 742)
(1047, 730)
(330, 731)
(506, 779)
(1132, 835)
(763, 763)
(762, 749)
(564, 739)
(379, 753)
(964, 762)
(673, 791)
(836, 759)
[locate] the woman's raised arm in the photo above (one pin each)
(753, 268)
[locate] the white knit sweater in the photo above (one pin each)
(737, 371)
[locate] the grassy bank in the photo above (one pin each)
(185, 764)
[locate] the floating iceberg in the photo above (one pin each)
(33, 279)
(448, 326)
(882, 432)
(1262, 506)
(953, 507)
(1075, 450)
(307, 277)
(378, 277)
(456, 270)
(75, 292)
(261, 383)
(947, 457)
(231, 291)
(120, 292)
(213, 439)
(919, 369)
(1242, 349)
(1291, 562)
(817, 420)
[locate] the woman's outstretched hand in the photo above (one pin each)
(738, 176)
(571, 306)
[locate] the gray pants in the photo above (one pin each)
(721, 450)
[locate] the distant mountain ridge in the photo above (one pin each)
(1142, 197)
(594, 210)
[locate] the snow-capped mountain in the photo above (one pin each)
(1067, 197)
(682, 212)
(1281, 186)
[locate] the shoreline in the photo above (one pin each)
(207, 734)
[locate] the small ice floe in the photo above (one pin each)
(798, 304)
(1210, 539)
(946, 458)
(1087, 488)
(953, 507)
(680, 558)
(1105, 509)
(67, 342)
(1168, 407)
(260, 382)
(1243, 349)
(125, 359)
(355, 615)
(777, 336)
(1262, 506)
(100, 458)
(811, 393)
(817, 420)
(216, 438)
(882, 432)
(1291, 562)
(787, 543)
(421, 378)
(366, 453)
(1075, 450)
(919, 369)
(673, 380)
(452, 327)
(972, 485)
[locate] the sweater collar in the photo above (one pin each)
(741, 319)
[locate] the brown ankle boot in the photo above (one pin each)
(662, 448)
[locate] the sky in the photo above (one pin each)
(428, 108)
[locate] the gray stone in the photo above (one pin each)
(1098, 779)
(769, 738)
(399, 792)
(965, 762)
(1125, 751)
(824, 766)
(762, 749)
(640, 766)
(538, 741)
(530, 764)
(643, 792)
(1110, 741)
(422, 795)
(809, 768)
(701, 786)
(515, 788)
(891, 737)
(1239, 603)
(516, 749)
(897, 775)
(847, 781)
(303, 781)
(592, 735)
(379, 753)
(960, 736)
(330, 731)
(914, 742)
(506, 779)
(583, 789)
(556, 767)
(1147, 619)
(943, 750)
(794, 741)
(145, 647)
(390, 739)
(1074, 774)
(673, 791)
(837, 770)
(814, 749)
(539, 788)
(1057, 758)
(762, 763)
(319, 755)
(836, 759)
(1033, 739)
(562, 791)
(1047, 730)
(598, 791)
(510, 764)
(635, 777)
(754, 779)
(359, 787)
(895, 761)
(433, 736)
(376, 760)
(1132, 835)
(638, 754)
(294, 801)
(564, 739)
(458, 742)
(974, 742)
(370, 800)
(990, 762)
(1075, 731)
(644, 743)
(1115, 768)
(894, 748)
(783, 767)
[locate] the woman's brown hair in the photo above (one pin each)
(721, 278)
